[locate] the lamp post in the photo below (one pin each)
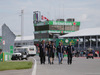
(22, 26)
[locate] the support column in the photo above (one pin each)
(90, 42)
(78, 43)
(84, 42)
(96, 41)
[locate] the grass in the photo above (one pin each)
(15, 65)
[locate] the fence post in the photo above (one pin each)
(3, 56)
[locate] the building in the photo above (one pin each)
(87, 38)
(26, 41)
(49, 30)
(7, 38)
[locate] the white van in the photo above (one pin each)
(31, 50)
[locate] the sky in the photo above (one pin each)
(85, 11)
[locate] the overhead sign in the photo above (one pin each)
(63, 23)
(41, 23)
(52, 31)
(46, 39)
(57, 23)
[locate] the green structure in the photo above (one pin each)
(5, 56)
(66, 41)
(1, 57)
(57, 23)
(11, 49)
(0, 44)
(50, 30)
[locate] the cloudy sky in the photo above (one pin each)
(85, 11)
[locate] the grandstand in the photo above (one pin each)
(87, 38)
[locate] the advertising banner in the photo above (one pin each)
(53, 31)
(1, 57)
(41, 23)
(63, 23)
(56, 23)
(11, 49)
(66, 41)
(7, 56)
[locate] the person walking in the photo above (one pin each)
(52, 52)
(48, 51)
(60, 50)
(70, 50)
(42, 50)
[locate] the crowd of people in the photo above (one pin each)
(83, 53)
(50, 50)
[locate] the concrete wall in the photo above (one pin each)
(0, 43)
(8, 38)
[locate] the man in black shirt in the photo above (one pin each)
(48, 51)
(70, 50)
(52, 52)
(42, 50)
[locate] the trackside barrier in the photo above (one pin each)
(5, 56)
(1, 57)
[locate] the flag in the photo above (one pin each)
(44, 18)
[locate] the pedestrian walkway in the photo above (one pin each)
(80, 66)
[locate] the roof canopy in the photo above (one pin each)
(24, 38)
(83, 32)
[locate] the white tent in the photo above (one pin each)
(83, 32)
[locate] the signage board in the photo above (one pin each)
(56, 23)
(66, 41)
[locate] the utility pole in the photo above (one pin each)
(22, 26)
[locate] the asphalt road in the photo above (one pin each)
(80, 66)
(16, 72)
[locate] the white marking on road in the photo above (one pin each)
(34, 68)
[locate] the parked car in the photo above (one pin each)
(19, 55)
(16, 56)
(24, 56)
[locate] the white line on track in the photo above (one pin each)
(34, 67)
